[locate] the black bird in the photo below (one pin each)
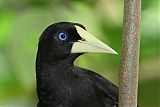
(59, 82)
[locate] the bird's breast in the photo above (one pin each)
(56, 87)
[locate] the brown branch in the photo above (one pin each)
(129, 65)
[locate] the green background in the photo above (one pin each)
(22, 22)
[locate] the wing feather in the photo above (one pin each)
(106, 91)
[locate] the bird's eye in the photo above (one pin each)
(62, 36)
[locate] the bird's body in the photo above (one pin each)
(72, 86)
(61, 84)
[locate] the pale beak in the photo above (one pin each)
(90, 44)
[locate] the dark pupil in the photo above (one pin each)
(63, 36)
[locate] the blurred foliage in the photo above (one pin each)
(22, 22)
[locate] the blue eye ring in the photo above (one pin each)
(62, 36)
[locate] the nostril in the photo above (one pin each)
(82, 39)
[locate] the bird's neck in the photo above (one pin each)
(49, 74)
(45, 63)
(46, 69)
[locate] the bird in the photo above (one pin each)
(62, 84)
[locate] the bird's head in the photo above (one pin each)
(65, 39)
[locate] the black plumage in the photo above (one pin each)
(59, 82)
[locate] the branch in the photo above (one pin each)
(129, 64)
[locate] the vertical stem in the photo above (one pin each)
(129, 65)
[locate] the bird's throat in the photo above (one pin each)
(50, 74)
